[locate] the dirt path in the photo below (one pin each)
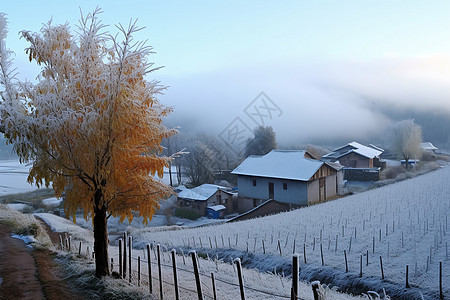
(31, 273)
(17, 269)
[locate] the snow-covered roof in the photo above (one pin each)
(375, 147)
(369, 152)
(200, 193)
(285, 164)
(216, 207)
(427, 146)
(335, 165)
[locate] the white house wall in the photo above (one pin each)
(313, 191)
(330, 185)
(296, 192)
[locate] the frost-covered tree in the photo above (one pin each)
(405, 139)
(91, 125)
(263, 142)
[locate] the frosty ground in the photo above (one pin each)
(405, 223)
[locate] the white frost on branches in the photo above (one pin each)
(406, 138)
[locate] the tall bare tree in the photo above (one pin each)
(406, 137)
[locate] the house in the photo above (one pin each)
(206, 195)
(355, 155)
(287, 176)
(428, 146)
(361, 163)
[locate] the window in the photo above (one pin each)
(254, 182)
(284, 186)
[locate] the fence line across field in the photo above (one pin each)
(143, 260)
(124, 264)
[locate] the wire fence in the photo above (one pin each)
(156, 272)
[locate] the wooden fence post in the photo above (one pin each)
(161, 294)
(294, 295)
(241, 282)
(130, 240)
(213, 286)
(360, 265)
(279, 247)
(120, 259)
(264, 248)
(175, 277)
(79, 249)
(381, 266)
(407, 282)
(321, 254)
(149, 265)
(441, 293)
(346, 263)
(304, 252)
(112, 264)
(197, 275)
(70, 243)
(315, 286)
(139, 271)
(124, 255)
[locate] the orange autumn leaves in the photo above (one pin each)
(95, 121)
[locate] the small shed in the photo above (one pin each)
(203, 196)
(428, 146)
(215, 212)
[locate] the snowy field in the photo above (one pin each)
(258, 285)
(405, 223)
(13, 178)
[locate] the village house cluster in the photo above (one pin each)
(285, 179)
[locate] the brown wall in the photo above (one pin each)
(353, 160)
(329, 189)
(246, 204)
(226, 200)
(268, 208)
(196, 206)
(313, 191)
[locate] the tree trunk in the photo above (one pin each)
(178, 173)
(170, 173)
(101, 240)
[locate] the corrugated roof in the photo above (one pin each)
(427, 146)
(216, 207)
(284, 164)
(356, 147)
(200, 193)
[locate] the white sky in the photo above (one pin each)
(336, 60)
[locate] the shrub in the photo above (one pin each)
(391, 172)
(186, 214)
